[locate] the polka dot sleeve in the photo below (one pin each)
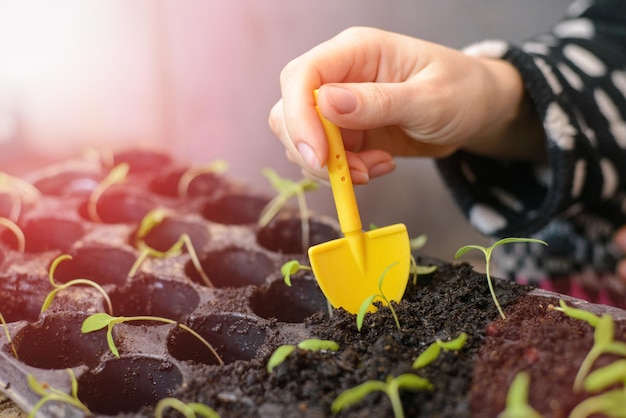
(576, 77)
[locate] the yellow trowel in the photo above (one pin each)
(349, 269)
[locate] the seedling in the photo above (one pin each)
(575, 313)
(117, 174)
(367, 303)
(517, 399)
(415, 269)
(189, 410)
(217, 167)
(391, 387)
(50, 394)
(152, 219)
(59, 287)
(16, 230)
(284, 351)
(609, 404)
(432, 352)
(101, 320)
(8, 334)
(286, 190)
(487, 251)
(292, 267)
(17, 189)
(603, 343)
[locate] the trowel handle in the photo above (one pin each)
(340, 180)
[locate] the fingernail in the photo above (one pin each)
(359, 177)
(341, 99)
(309, 156)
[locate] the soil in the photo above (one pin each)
(471, 382)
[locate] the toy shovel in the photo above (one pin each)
(349, 269)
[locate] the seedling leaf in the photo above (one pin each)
(609, 404)
(318, 345)
(96, 322)
(575, 313)
(279, 356)
(189, 410)
(606, 376)
(360, 316)
(455, 344)
(517, 399)
(356, 394)
(49, 394)
(291, 267)
(427, 357)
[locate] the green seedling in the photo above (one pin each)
(517, 399)
(290, 268)
(391, 387)
(415, 269)
(117, 175)
(16, 230)
(365, 306)
(487, 252)
(609, 404)
(215, 167)
(603, 343)
(57, 287)
(281, 353)
(17, 189)
(50, 394)
(152, 219)
(575, 313)
(188, 410)
(432, 352)
(286, 190)
(101, 320)
(8, 335)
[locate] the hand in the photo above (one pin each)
(394, 95)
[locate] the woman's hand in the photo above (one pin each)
(394, 95)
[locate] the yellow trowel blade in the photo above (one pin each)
(346, 283)
(348, 270)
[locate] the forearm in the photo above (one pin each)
(512, 129)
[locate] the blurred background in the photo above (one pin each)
(197, 79)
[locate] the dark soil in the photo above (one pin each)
(470, 383)
(452, 300)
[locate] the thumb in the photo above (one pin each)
(368, 105)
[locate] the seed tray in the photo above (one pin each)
(238, 315)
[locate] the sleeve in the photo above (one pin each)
(575, 76)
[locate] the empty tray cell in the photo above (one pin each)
(233, 267)
(100, 263)
(301, 300)
(284, 235)
(154, 297)
(45, 234)
(69, 183)
(19, 299)
(235, 209)
(127, 384)
(56, 342)
(203, 184)
(120, 204)
(234, 337)
(162, 236)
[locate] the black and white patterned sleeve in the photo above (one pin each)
(576, 77)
